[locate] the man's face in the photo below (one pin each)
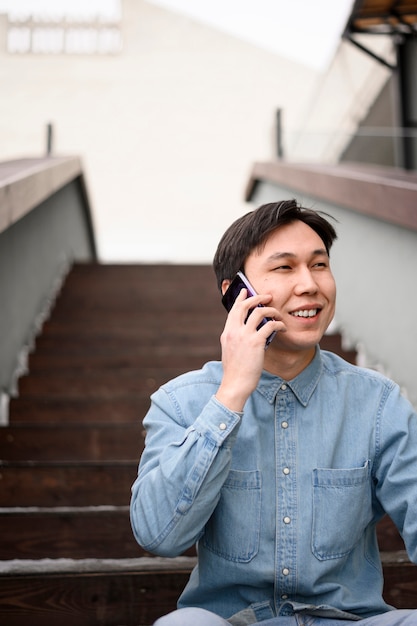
(294, 268)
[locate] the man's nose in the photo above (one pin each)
(306, 282)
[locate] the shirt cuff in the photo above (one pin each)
(218, 423)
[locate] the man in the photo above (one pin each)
(278, 462)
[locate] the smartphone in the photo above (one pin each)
(238, 283)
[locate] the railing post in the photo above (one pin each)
(49, 139)
(278, 127)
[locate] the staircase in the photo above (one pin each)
(71, 450)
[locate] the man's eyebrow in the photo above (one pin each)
(276, 256)
(281, 255)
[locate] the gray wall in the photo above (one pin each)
(35, 253)
(375, 267)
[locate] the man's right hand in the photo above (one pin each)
(243, 348)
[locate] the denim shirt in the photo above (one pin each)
(282, 499)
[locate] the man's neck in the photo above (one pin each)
(287, 365)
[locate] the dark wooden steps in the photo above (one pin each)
(333, 343)
(79, 410)
(72, 442)
(101, 532)
(136, 348)
(157, 327)
(70, 532)
(70, 452)
(389, 540)
(93, 382)
(126, 359)
(123, 593)
(66, 484)
(92, 593)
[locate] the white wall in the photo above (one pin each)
(167, 130)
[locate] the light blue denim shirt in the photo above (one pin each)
(282, 499)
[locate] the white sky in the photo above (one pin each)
(306, 31)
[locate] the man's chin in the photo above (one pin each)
(297, 345)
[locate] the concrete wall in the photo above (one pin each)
(36, 251)
(167, 130)
(374, 264)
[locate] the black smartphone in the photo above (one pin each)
(238, 283)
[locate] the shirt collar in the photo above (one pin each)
(302, 385)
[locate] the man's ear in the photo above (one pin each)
(225, 284)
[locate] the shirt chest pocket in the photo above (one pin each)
(342, 508)
(233, 530)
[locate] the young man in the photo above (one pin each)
(278, 462)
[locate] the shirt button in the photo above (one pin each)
(283, 386)
(287, 520)
(284, 596)
(285, 571)
(222, 426)
(286, 471)
(284, 424)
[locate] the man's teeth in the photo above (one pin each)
(305, 313)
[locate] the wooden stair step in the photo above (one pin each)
(156, 335)
(177, 303)
(333, 343)
(135, 323)
(127, 279)
(93, 383)
(22, 567)
(72, 442)
(102, 532)
(149, 290)
(91, 592)
(127, 591)
(389, 539)
(181, 305)
(66, 484)
(50, 410)
(176, 292)
(101, 357)
(145, 277)
(400, 580)
(158, 340)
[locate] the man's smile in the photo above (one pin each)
(305, 312)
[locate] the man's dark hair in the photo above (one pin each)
(251, 230)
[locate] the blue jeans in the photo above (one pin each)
(201, 617)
